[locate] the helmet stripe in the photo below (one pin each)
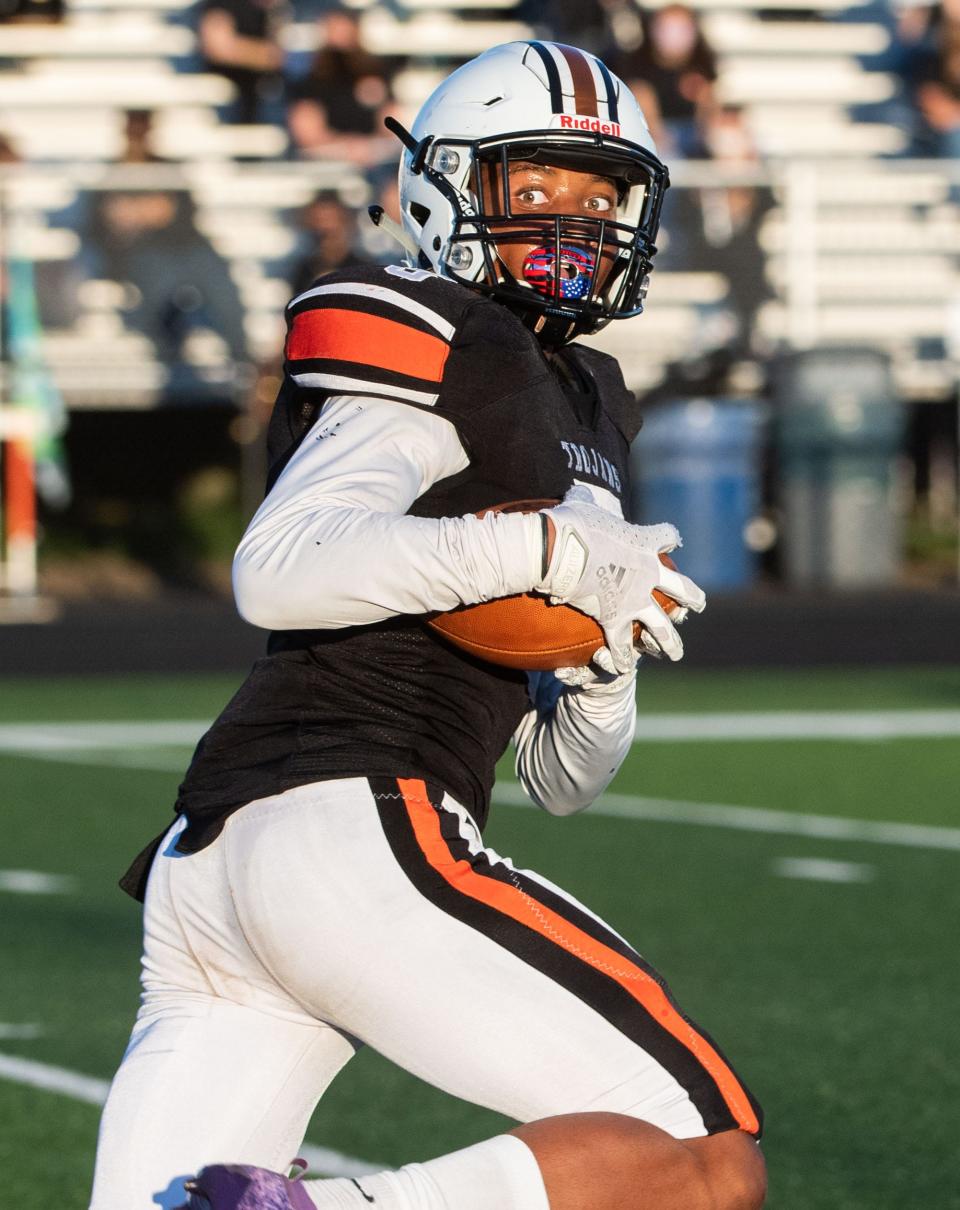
(553, 76)
(584, 85)
(613, 108)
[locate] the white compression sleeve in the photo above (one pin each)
(498, 1174)
(568, 755)
(331, 545)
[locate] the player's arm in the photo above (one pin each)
(222, 42)
(331, 545)
(573, 739)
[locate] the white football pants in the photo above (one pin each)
(358, 909)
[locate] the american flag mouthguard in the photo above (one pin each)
(576, 270)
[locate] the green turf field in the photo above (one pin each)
(836, 1000)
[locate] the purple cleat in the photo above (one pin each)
(244, 1187)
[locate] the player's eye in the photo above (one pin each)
(531, 197)
(601, 204)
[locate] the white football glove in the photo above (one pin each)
(608, 569)
(598, 677)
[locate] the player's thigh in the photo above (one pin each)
(205, 1080)
(222, 1063)
(485, 980)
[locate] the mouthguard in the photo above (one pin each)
(576, 271)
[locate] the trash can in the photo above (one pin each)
(839, 429)
(696, 463)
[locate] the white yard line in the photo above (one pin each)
(144, 761)
(34, 882)
(66, 737)
(755, 819)
(94, 1092)
(47, 738)
(665, 810)
(798, 725)
(822, 869)
(21, 1032)
(53, 1079)
(116, 745)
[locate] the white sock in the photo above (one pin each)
(498, 1174)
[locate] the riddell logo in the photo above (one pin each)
(577, 123)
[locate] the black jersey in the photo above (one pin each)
(393, 698)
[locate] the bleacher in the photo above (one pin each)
(861, 246)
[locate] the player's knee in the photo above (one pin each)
(632, 1163)
(642, 1165)
(738, 1176)
(753, 1182)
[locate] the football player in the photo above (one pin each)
(326, 883)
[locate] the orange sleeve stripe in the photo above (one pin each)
(517, 904)
(368, 340)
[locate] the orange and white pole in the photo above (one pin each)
(19, 539)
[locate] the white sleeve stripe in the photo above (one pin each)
(356, 386)
(393, 297)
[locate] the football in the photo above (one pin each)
(526, 631)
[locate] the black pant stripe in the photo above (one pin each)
(594, 988)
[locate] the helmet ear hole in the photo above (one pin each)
(420, 213)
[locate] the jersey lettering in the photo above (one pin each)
(586, 460)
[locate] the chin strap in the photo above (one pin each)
(381, 219)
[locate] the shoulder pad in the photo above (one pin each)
(375, 331)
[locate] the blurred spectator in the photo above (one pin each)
(126, 215)
(716, 229)
(138, 138)
(238, 40)
(330, 228)
(39, 12)
(934, 77)
(910, 21)
(145, 237)
(577, 22)
(335, 110)
(671, 73)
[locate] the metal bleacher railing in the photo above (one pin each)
(862, 252)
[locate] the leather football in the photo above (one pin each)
(525, 631)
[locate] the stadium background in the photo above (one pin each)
(783, 841)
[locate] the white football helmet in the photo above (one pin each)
(546, 103)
